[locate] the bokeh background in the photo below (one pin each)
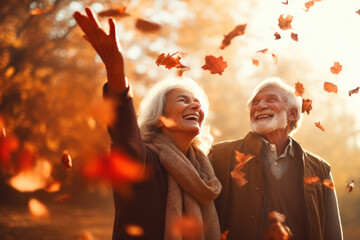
(51, 81)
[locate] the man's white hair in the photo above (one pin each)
(154, 103)
(292, 101)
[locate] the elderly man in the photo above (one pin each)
(275, 174)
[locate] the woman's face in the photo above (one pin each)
(183, 112)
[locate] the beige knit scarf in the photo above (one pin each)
(192, 187)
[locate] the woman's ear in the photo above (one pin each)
(292, 114)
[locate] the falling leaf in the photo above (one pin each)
(168, 122)
(146, 26)
(277, 229)
(237, 31)
(356, 90)
(169, 61)
(275, 59)
(299, 89)
(117, 11)
(224, 235)
(294, 36)
(330, 87)
(37, 209)
(215, 65)
(350, 186)
(277, 36)
(255, 62)
(306, 105)
(66, 160)
(311, 180)
(36, 11)
(336, 68)
(320, 126)
(62, 198)
(187, 227)
(309, 4)
(286, 3)
(262, 51)
(54, 186)
(328, 183)
(237, 174)
(285, 23)
(134, 230)
(358, 11)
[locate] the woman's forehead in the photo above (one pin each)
(178, 92)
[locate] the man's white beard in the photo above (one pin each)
(278, 121)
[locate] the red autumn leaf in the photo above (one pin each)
(146, 26)
(214, 65)
(336, 68)
(311, 180)
(275, 59)
(277, 229)
(66, 160)
(237, 31)
(277, 36)
(286, 3)
(187, 227)
(224, 235)
(285, 23)
(299, 89)
(169, 61)
(356, 90)
(255, 62)
(328, 183)
(350, 186)
(309, 4)
(306, 105)
(320, 126)
(37, 11)
(294, 37)
(262, 51)
(237, 174)
(117, 11)
(330, 87)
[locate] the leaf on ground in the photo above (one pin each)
(336, 68)
(147, 26)
(306, 105)
(214, 65)
(317, 124)
(330, 87)
(299, 89)
(285, 23)
(237, 31)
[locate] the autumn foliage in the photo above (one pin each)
(237, 174)
(214, 64)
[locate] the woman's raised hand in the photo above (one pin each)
(107, 46)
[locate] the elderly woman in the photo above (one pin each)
(166, 141)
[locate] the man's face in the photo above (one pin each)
(268, 111)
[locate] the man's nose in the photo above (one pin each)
(196, 106)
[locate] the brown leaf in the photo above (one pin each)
(294, 37)
(237, 174)
(299, 89)
(169, 61)
(328, 183)
(117, 11)
(320, 126)
(255, 62)
(237, 31)
(275, 59)
(336, 68)
(285, 23)
(214, 65)
(350, 186)
(356, 90)
(306, 105)
(277, 36)
(277, 229)
(311, 180)
(187, 227)
(262, 51)
(330, 87)
(146, 26)
(66, 160)
(309, 4)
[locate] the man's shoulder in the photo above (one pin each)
(313, 159)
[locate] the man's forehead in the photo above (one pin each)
(271, 90)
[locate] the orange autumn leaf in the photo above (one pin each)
(277, 229)
(311, 180)
(255, 62)
(294, 37)
(299, 89)
(309, 4)
(134, 230)
(187, 227)
(330, 87)
(353, 91)
(169, 61)
(350, 186)
(237, 174)
(317, 124)
(306, 105)
(37, 209)
(146, 26)
(286, 3)
(53, 186)
(328, 183)
(262, 51)
(117, 11)
(277, 36)
(214, 65)
(66, 160)
(36, 11)
(336, 68)
(224, 235)
(275, 59)
(237, 31)
(285, 23)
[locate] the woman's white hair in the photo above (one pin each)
(154, 103)
(292, 101)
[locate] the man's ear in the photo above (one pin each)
(292, 114)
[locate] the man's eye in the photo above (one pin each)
(255, 102)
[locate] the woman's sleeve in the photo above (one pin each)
(124, 131)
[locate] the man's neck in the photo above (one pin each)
(279, 138)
